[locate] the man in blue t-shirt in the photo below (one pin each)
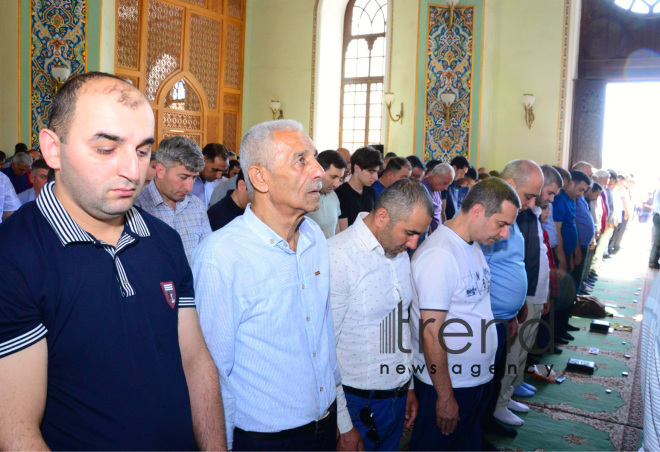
(563, 212)
(100, 344)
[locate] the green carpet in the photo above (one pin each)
(583, 396)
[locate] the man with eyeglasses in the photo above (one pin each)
(370, 292)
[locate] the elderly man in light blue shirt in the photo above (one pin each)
(264, 308)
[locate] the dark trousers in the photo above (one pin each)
(467, 436)
(615, 241)
(389, 417)
(322, 441)
(655, 249)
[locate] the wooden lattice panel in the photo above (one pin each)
(198, 2)
(182, 121)
(233, 56)
(232, 101)
(197, 138)
(229, 130)
(205, 38)
(235, 8)
(183, 97)
(127, 33)
(163, 48)
(213, 130)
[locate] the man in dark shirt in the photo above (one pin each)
(396, 168)
(104, 350)
(231, 206)
(357, 195)
(17, 172)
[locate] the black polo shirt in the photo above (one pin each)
(352, 203)
(109, 316)
(223, 212)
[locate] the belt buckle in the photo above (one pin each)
(317, 422)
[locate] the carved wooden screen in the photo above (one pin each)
(187, 57)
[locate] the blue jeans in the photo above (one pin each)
(389, 416)
(471, 407)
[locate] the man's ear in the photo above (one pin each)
(241, 185)
(160, 170)
(259, 177)
(50, 146)
(512, 183)
(381, 218)
(476, 211)
(356, 169)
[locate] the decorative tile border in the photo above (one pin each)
(564, 87)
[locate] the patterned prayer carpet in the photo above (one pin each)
(580, 414)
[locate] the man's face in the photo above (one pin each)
(489, 230)
(547, 195)
(19, 168)
(234, 171)
(545, 213)
(367, 176)
(404, 234)
(213, 169)
(529, 191)
(459, 173)
(440, 182)
(34, 154)
(575, 190)
(103, 164)
(417, 174)
(296, 178)
(591, 195)
(39, 179)
(332, 178)
(174, 183)
(151, 172)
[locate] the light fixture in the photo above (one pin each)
(275, 108)
(528, 103)
(448, 98)
(388, 98)
(451, 4)
(59, 75)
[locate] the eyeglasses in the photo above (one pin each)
(367, 418)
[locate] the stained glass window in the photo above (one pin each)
(363, 70)
(640, 6)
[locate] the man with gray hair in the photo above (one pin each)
(168, 196)
(17, 171)
(436, 182)
(264, 307)
(370, 284)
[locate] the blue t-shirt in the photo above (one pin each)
(563, 211)
(585, 222)
(508, 277)
(378, 188)
(109, 316)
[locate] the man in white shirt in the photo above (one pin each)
(451, 282)
(216, 160)
(327, 217)
(39, 173)
(370, 288)
(9, 202)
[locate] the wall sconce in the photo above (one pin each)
(448, 98)
(528, 103)
(59, 75)
(275, 108)
(389, 100)
(451, 4)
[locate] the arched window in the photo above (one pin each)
(640, 6)
(363, 70)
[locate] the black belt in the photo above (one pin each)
(328, 420)
(378, 394)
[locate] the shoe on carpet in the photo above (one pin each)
(570, 327)
(593, 273)
(493, 427)
(586, 289)
(517, 406)
(528, 386)
(561, 340)
(567, 336)
(556, 351)
(654, 266)
(506, 416)
(591, 281)
(607, 256)
(522, 392)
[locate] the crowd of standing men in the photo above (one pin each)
(301, 323)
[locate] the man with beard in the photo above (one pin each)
(103, 351)
(451, 294)
(370, 283)
(168, 197)
(264, 307)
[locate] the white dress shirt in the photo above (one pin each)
(8, 200)
(365, 289)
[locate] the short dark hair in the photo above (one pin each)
(366, 158)
(578, 176)
(401, 197)
(612, 174)
(596, 186)
(331, 157)
(484, 176)
(233, 164)
(39, 164)
(240, 176)
(416, 162)
(551, 176)
(3, 156)
(396, 164)
(471, 173)
(214, 150)
(64, 103)
(390, 155)
(432, 164)
(565, 174)
(490, 193)
(20, 147)
(460, 162)
(494, 173)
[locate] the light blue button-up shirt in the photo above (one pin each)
(265, 315)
